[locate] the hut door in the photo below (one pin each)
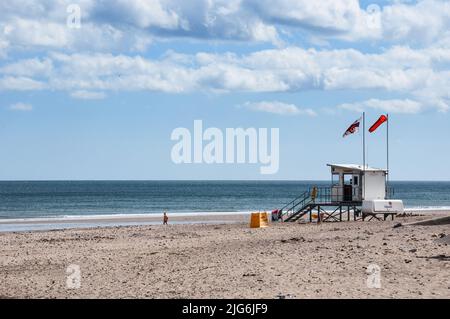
(348, 191)
(348, 187)
(356, 188)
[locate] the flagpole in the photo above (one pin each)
(364, 154)
(387, 149)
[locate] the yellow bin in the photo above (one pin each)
(259, 220)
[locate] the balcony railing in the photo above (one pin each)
(328, 195)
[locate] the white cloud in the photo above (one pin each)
(422, 74)
(423, 22)
(330, 17)
(143, 14)
(88, 95)
(4, 44)
(34, 33)
(28, 67)
(132, 25)
(24, 107)
(277, 107)
(37, 35)
(127, 26)
(406, 106)
(20, 83)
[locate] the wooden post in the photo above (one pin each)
(319, 220)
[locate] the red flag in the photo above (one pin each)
(353, 128)
(381, 120)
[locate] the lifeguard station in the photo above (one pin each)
(356, 192)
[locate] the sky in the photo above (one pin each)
(92, 90)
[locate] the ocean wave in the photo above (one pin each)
(118, 216)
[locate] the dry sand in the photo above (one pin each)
(229, 261)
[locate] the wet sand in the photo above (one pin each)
(229, 260)
(33, 224)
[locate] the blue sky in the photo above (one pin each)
(100, 101)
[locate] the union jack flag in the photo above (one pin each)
(354, 128)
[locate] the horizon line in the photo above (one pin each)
(199, 180)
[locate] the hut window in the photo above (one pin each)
(335, 179)
(355, 180)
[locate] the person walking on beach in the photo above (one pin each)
(165, 219)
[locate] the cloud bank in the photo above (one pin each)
(109, 51)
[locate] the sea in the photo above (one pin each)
(65, 199)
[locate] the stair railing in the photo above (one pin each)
(290, 208)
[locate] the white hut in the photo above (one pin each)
(367, 185)
(355, 190)
(354, 183)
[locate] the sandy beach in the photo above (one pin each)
(229, 260)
